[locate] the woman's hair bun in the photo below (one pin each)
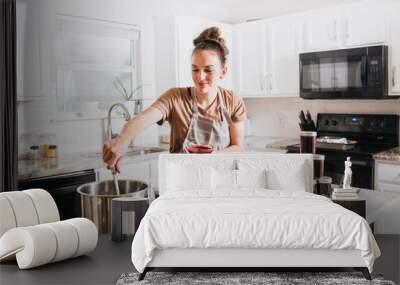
(211, 39)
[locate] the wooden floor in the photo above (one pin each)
(110, 260)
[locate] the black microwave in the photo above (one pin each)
(357, 73)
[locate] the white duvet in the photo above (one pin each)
(252, 218)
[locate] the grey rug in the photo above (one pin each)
(273, 278)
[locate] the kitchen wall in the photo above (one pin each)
(38, 114)
(280, 115)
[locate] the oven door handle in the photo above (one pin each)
(359, 162)
(364, 72)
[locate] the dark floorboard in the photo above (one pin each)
(110, 260)
(102, 266)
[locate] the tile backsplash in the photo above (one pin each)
(278, 117)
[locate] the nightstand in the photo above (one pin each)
(357, 206)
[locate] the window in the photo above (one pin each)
(92, 56)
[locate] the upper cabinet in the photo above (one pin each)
(321, 29)
(364, 23)
(283, 45)
(394, 48)
(173, 49)
(350, 25)
(267, 59)
(267, 51)
(250, 64)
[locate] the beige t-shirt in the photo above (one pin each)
(176, 106)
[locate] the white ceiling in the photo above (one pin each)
(249, 9)
(236, 11)
(229, 11)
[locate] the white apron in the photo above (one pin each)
(207, 131)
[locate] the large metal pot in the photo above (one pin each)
(96, 199)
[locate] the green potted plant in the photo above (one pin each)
(133, 104)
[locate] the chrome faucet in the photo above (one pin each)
(126, 114)
(110, 136)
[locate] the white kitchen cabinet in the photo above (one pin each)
(387, 176)
(146, 171)
(345, 26)
(154, 173)
(30, 54)
(136, 171)
(251, 75)
(394, 48)
(268, 57)
(173, 49)
(387, 182)
(322, 29)
(363, 23)
(282, 48)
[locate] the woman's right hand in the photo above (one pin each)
(113, 151)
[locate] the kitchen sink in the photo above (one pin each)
(130, 152)
(145, 150)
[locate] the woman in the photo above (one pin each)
(203, 118)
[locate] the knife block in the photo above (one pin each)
(309, 126)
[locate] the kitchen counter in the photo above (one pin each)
(68, 163)
(72, 162)
(273, 144)
(390, 155)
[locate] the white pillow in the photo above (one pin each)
(292, 179)
(223, 179)
(182, 177)
(251, 178)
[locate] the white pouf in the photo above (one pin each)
(31, 232)
(45, 206)
(7, 220)
(22, 207)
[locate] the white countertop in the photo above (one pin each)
(271, 144)
(72, 162)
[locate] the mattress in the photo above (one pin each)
(250, 218)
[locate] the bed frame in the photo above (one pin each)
(250, 259)
(244, 259)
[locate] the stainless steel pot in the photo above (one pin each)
(96, 199)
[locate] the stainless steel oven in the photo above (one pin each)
(362, 167)
(372, 133)
(357, 73)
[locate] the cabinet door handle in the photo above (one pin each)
(394, 76)
(270, 82)
(334, 30)
(347, 28)
(262, 83)
(332, 33)
(358, 162)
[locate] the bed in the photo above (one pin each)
(245, 211)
